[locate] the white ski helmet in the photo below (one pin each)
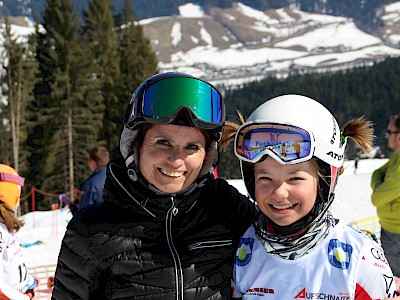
(296, 115)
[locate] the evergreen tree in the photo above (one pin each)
(137, 59)
(37, 141)
(71, 99)
(19, 78)
(6, 140)
(101, 39)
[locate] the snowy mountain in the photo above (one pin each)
(240, 44)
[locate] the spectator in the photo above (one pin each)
(93, 186)
(296, 248)
(356, 161)
(15, 281)
(385, 183)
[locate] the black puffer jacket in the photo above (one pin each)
(136, 245)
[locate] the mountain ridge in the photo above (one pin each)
(238, 44)
(251, 44)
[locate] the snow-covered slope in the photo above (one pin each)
(240, 43)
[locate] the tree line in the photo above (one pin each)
(65, 90)
(370, 91)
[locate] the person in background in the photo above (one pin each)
(385, 183)
(15, 281)
(92, 188)
(167, 229)
(296, 248)
(356, 162)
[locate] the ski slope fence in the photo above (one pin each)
(370, 224)
(43, 275)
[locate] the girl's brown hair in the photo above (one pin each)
(8, 217)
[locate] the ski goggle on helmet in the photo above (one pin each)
(291, 129)
(10, 186)
(162, 97)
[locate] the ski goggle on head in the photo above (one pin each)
(287, 144)
(163, 99)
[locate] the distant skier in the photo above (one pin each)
(15, 281)
(356, 160)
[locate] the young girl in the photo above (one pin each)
(15, 282)
(291, 151)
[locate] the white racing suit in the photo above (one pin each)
(346, 265)
(14, 277)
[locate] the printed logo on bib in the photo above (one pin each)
(244, 251)
(259, 291)
(300, 292)
(339, 254)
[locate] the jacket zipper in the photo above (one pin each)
(173, 211)
(210, 244)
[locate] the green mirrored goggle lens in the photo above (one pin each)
(201, 98)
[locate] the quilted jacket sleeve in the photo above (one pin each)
(77, 275)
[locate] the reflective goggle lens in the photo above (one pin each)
(201, 98)
(286, 143)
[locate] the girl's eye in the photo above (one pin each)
(263, 178)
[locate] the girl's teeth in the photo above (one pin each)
(282, 207)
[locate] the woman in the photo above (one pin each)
(166, 229)
(15, 281)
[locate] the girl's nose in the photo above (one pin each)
(280, 191)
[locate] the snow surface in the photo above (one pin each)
(191, 10)
(352, 203)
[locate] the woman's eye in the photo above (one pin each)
(193, 147)
(163, 142)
